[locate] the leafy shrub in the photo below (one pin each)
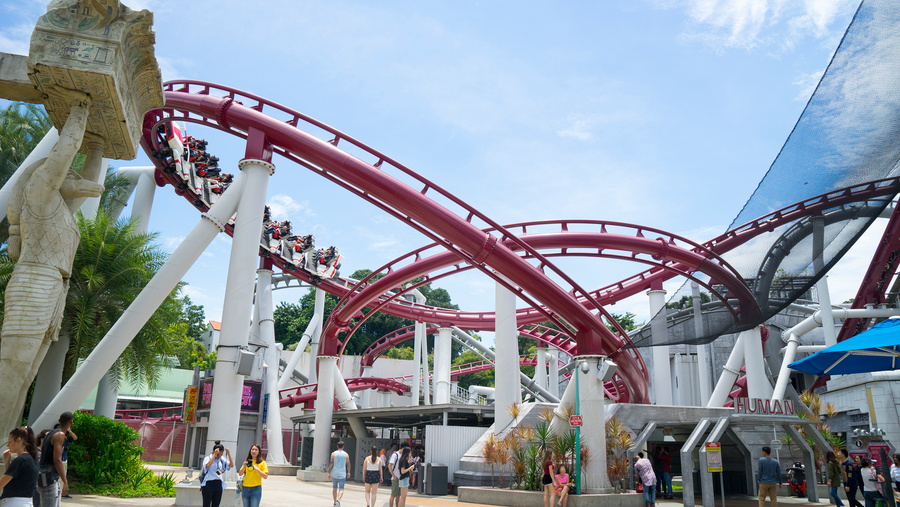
(105, 452)
(166, 481)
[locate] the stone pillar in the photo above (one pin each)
(225, 410)
(442, 351)
(267, 334)
(508, 389)
(661, 381)
(324, 413)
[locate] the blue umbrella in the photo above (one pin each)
(877, 349)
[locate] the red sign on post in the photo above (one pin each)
(575, 421)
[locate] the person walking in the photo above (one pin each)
(50, 466)
(768, 473)
(835, 477)
(212, 484)
(895, 471)
(70, 437)
(404, 467)
(871, 482)
(338, 472)
(20, 479)
(548, 481)
(664, 457)
(644, 470)
(414, 475)
(385, 472)
(372, 476)
(254, 471)
(848, 474)
(395, 475)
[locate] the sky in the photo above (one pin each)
(663, 113)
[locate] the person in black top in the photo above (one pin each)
(20, 478)
(849, 472)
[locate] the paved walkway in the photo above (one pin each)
(288, 491)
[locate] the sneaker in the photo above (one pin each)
(67, 496)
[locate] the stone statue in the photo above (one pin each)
(43, 238)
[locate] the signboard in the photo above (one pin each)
(251, 396)
(713, 457)
(190, 406)
(758, 406)
(575, 421)
(265, 408)
(205, 395)
(775, 445)
(875, 451)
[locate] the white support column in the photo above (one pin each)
(540, 369)
(784, 375)
(730, 374)
(324, 412)
(225, 409)
(660, 383)
(266, 324)
(703, 352)
(366, 394)
(139, 311)
(314, 325)
(342, 392)
(553, 371)
(426, 375)
(107, 396)
(442, 352)
(417, 363)
(318, 312)
(419, 329)
(825, 310)
(592, 405)
(143, 189)
(508, 389)
(757, 381)
(49, 377)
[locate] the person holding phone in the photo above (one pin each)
(212, 482)
(254, 471)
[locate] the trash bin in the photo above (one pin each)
(420, 487)
(437, 479)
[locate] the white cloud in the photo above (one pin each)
(748, 24)
(284, 207)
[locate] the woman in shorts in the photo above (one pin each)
(548, 481)
(372, 475)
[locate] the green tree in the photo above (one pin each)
(291, 319)
(111, 266)
(687, 302)
(22, 126)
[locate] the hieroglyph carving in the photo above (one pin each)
(104, 49)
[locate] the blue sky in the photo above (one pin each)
(658, 112)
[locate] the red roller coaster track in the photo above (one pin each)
(487, 247)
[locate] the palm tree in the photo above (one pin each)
(111, 266)
(22, 126)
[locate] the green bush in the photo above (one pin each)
(105, 452)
